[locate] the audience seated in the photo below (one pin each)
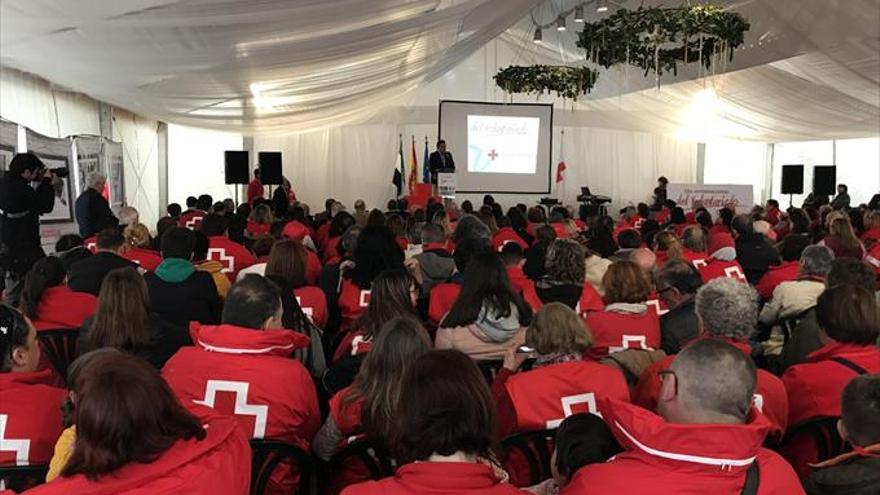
(442, 433)
(856, 472)
(260, 221)
(628, 240)
(705, 439)
(794, 297)
(196, 209)
(722, 259)
(288, 260)
(69, 249)
(133, 437)
(790, 249)
(488, 316)
(124, 321)
(872, 227)
(138, 247)
(842, 240)
(535, 267)
(30, 404)
(667, 246)
(506, 234)
(245, 361)
(626, 322)
(48, 302)
(693, 242)
(87, 274)
(849, 323)
(754, 254)
(444, 294)
(178, 292)
(677, 285)
(513, 257)
(232, 255)
(564, 281)
(435, 260)
(560, 382)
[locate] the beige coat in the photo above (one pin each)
(472, 341)
(596, 267)
(791, 298)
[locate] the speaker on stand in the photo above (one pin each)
(825, 180)
(270, 169)
(792, 181)
(236, 169)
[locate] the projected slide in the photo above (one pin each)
(502, 145)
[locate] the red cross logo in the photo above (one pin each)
(21, 447)
(493, 155)
(219, 254)
(229, 396)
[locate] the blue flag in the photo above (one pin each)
(426, 172)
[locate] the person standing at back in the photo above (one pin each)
(841, 201)
(255, 188)
(92, 209)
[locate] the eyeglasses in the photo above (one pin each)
(664, 373)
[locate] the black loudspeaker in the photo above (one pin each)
(270, 167)
(825, 180)
(237, 167)
(792, 179)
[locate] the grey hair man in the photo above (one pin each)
(128, 215)
(91, 208)
(727, 308)
(694, 239)
(793, 297)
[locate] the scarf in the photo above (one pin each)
(498, 328)
(174, 270)
(556, 358)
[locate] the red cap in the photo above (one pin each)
(720, 240)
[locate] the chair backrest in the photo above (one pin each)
(20, 478)
(266, 455)
(61, 346)
(536, 448)
(359, 461)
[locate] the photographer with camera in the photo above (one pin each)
(26, 192)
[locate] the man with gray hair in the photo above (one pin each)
(91, 208)
(706, 439)
(796, 296)
(128, 215)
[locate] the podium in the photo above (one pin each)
(446, 183)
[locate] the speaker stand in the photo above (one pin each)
(790, 196)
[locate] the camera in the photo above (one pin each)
(61, 172)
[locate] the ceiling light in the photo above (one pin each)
(579, 13)
(602, 6)
(560, 23)
(539, 36)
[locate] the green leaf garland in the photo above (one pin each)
(567, 82)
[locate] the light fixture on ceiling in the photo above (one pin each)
(560, 23)
(602, 6)
(579, 13)
(539, 35)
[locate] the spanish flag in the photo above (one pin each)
(413, 167)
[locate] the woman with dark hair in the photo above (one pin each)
(393, 295)
(337, 227)
(626, 322)
(722, 224)
(520, 224)
(132, 436)
(488, 316)
(375, 252)
(566, 268)
(535, 266)
(29, 400)
(288, 260)
(601, 239)
(536, 217)
(48, 302)
(124, 321)
(678, 220)
(582, 439)
(443, 435)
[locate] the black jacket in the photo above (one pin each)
(165, 340)
(87, 274)
(549, 292)
(20, 210)
(535, 257)
(93, 212)
(436, 163)
(179, 303)
(755, 255)
(679, 326)
(858, 476)
(280, 204)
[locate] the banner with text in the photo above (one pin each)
(713, 197)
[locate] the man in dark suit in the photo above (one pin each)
(92, 209)
(86, 275)
(440, 160)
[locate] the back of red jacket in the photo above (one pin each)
(353, 301)
(61, 307)
(442, 298)
(505, 235)
(232, 255)
(191, 219)
(30, 417)
(145, 258)
(615, 331)
(715, 268)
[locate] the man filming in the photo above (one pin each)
(26, 192)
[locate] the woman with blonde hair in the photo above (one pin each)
(260, 220)
(533, 400)
(667, 247)
(137, 247)
(842, 240)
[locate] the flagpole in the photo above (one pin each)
(561, 159)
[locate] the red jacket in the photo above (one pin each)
(254, 190)
(30, 417)
(91, 243)
(770, 396)
(519, 281)
(347, 416)
(313, 303)
(505, 235)
(352, 344)
(219, 464)
(784, 272)
(437, 478)
(255, 229)
(296, 230)
(696, 257)
(715, 268)
(232, 255)
(353, 301)
(313, 267)
(663, 458)
(145, 258)
(872, 233)
(719, 228)
(191, 219)
(442, 298)
(61, 307)
(561, 231)
(615, 331)
(322, 235)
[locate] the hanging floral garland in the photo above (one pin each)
(567, 82)
(659, 39)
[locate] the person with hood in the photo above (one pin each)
(435, 260)
(488, 316)
(722, 259)
(444, 294)
(707, 437)
(248, 355)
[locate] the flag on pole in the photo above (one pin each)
(560, 172)
(413, 167)
(397, 178)
(426, 172)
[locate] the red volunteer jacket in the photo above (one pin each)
(715, 268)
(505, 235)
(519, 281)
(145, 258)
(322, 235)
(255, 229)
(616, 331)
(296, 230)
(784, 272)
(719, 228)
(561, 231)
(347, 416)
(437, 478)
(872, 233)
(313, 267)
(697, 258)
(353, 301)
(442, 298)
(191, 219)
(770, 396)
(254, 190)
(91, 243)
(232, 255)
(663, 458)
(30, 417)
(352, 344)
(61, 307)
(313, 303)
(656, 304)
(541, 398)
(331, 250)
(219, 464)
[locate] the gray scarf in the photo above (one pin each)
(497, 328)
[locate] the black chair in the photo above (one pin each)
(536, 448)
(61, 346)
(823, 431)
(266, 455)
(489, 368)
(20, 478)
(366, 454)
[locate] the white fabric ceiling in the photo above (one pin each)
(810, 68)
